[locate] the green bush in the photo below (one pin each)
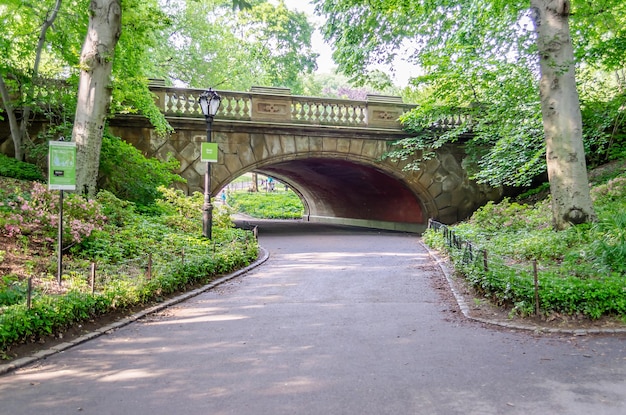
(138, 178)
(12, 290)
(10, 167)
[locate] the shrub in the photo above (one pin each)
(10, 167)
(120, 247)
(138, 178)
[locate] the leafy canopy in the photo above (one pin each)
(476, 60)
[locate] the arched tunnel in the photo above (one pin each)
(338, 188)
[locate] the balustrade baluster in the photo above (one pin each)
(295, 111)
(167, 103)
(187, 104)
(331, 113)
(340, 114)
(323, 113)
(179, 104)
(244, 106)
(234, 108)
(345, 114)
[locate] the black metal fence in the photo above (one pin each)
(517, 279)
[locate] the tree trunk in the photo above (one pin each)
(47, 24)
(255, 182)
(13, 124)
(562, 121)
(94, 90)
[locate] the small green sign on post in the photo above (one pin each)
(208, 152)
(61, 176)
(62, 165)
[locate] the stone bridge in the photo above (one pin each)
(329, 151)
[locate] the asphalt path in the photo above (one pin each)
(337, 321)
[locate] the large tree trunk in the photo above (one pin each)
(562, 121)
(94, 90)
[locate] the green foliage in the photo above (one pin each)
(10, 167)
(180, 211)
(181, 259)
(138, 179)
(264, 44)
(478, 77)
(12, 290)
(604, 120)
(270, 205)
(117, 211)
(581, 270)
(143, 22)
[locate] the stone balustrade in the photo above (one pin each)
(277, 105)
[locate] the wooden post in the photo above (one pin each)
(149, 273)
(485, 260)
(92, 278)
(29, 294)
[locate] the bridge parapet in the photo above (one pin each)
(279, 106)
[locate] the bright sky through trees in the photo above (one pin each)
(325, 61)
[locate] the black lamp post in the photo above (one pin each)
(209, 103)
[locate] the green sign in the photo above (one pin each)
(208, 152)
(62, 165)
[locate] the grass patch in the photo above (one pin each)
(268, 205)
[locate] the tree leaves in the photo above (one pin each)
(473, 55)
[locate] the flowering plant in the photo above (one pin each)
(37, 214)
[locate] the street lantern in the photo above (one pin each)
(210, 104)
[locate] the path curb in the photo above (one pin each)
(42, 354)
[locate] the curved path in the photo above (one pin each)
(337, 321)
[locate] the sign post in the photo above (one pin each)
(61, 176)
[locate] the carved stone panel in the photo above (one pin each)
(383, 116)
(271, 109)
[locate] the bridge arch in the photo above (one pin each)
(357, 190)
